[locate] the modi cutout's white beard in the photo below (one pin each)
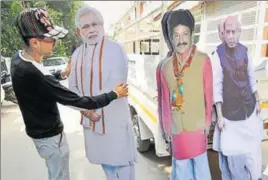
(95, 38)
(92, 40)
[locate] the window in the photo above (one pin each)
(149, 47)
(145, 47)
(197, 28)
(265, 33)
(134, 47)
(131, 68)
(155, 46)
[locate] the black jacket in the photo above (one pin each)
(38, 92)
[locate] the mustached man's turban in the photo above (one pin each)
(180, 17)
(164, 23)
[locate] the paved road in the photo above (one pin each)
(19, 159)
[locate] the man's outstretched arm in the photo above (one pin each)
(65, 96)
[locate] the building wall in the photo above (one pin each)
(250, 14)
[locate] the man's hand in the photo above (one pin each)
(221, 123)
(220, 119)
(258, 107)
(64, 73)
(91, 115)
(121, 90)
(207, 130)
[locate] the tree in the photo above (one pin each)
(62, 13)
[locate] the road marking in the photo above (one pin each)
(264, 105)
(145, 110)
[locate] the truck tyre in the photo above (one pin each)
(142, 145)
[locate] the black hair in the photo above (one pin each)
(164, 23)
(26, 40)
(180, 17)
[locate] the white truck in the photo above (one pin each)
(149, 48)
(143, 102)
(2, 95)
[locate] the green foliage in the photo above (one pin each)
(62, 13)
(10, 41)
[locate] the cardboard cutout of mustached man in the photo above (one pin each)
(184, 80)
(239, 130)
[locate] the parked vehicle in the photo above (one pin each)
(143, 103)
(55, 64)
(6, 83)
(2, 94)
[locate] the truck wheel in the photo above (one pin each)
(142, 145)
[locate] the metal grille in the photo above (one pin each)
(212, 38)
(223, 7)
(248, 18)
(213, 25)
(247, 34)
